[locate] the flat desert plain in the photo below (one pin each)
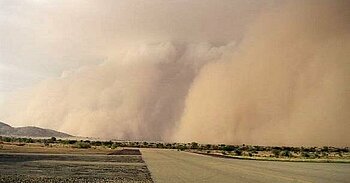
(44, 164)
(39, 167)
(176, 166)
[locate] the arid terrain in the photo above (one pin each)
(174, 91)
(78, 161)
(58, 165)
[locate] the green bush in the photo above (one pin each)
(72, 141)
(317, 155)
(194, 145)
(46, 142)
(325, 149)
(114, 146)
(96, 143)
(229, 148)
(29, 140)
(306, 154)
(6, 139)
(182, 147)
(276, 152)
(286, 153)
(207, 147)
(53, 140)
(107, 143)
(238, 152)
(82, 145)
(160, 145)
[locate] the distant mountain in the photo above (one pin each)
(29, 131)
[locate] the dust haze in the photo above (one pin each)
(267, 73)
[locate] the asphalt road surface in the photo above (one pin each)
(174, 166)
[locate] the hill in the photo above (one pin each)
(29, 131)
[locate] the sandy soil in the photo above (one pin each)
(176, 166)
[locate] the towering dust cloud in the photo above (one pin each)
(228, 72)
(139, 97)
(287, 83)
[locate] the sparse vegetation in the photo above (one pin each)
(286, 153)
(305, 154)
(82, 145)
(52, 140)
(194, 145)
(238, 152)
(229, 148)
(276, 152)
(114, 145)
(243, 150)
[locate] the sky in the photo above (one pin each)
(259, 72)
(42, 39)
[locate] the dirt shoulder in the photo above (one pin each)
(52, 149)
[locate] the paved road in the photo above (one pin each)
(174, 166)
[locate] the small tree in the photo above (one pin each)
(276, 152)
(305, 154)
(325, 149)
(182, 147)
(238, 152)
(114, 146)
(208, 146)
(52, 140)
(96, 143)
(107, 143)
(72, 141)
(160, 145)
(229, 148)
(29, 140)
(7, 139)
(46, 142)
(83, 145)
(194, 145)
(286, 153)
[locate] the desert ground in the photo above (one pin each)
(35, 162)
(77, 167)
(178, 166)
